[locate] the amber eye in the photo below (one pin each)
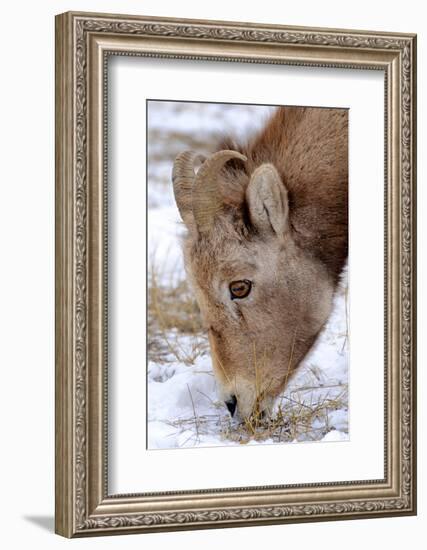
(240, 289)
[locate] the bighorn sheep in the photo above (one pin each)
(265, 246)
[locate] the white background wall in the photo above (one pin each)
(27, 273)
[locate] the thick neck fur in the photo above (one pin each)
(309, 148)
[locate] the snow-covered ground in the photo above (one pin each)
(183, 408)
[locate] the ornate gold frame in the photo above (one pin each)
(83, 42)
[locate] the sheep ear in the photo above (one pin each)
(267, 200)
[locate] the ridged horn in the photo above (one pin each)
(206, 197)
(183, 180)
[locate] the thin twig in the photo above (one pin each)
(194, 412)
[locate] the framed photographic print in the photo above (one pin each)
(235, 274)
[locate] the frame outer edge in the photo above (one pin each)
(73, 402)
(64, 237)
(157, 19)
(414, 367)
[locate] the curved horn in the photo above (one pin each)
(183, 178)
(206, 198)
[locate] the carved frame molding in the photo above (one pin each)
(83, 43)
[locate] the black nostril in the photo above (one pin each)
(231, 404)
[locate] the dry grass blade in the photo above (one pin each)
(172, 313)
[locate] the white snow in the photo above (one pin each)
(183, 408)
(335, 435)
(200, 118)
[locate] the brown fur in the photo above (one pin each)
(284, 227)
(309, 148)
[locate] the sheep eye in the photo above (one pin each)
(240, 289)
